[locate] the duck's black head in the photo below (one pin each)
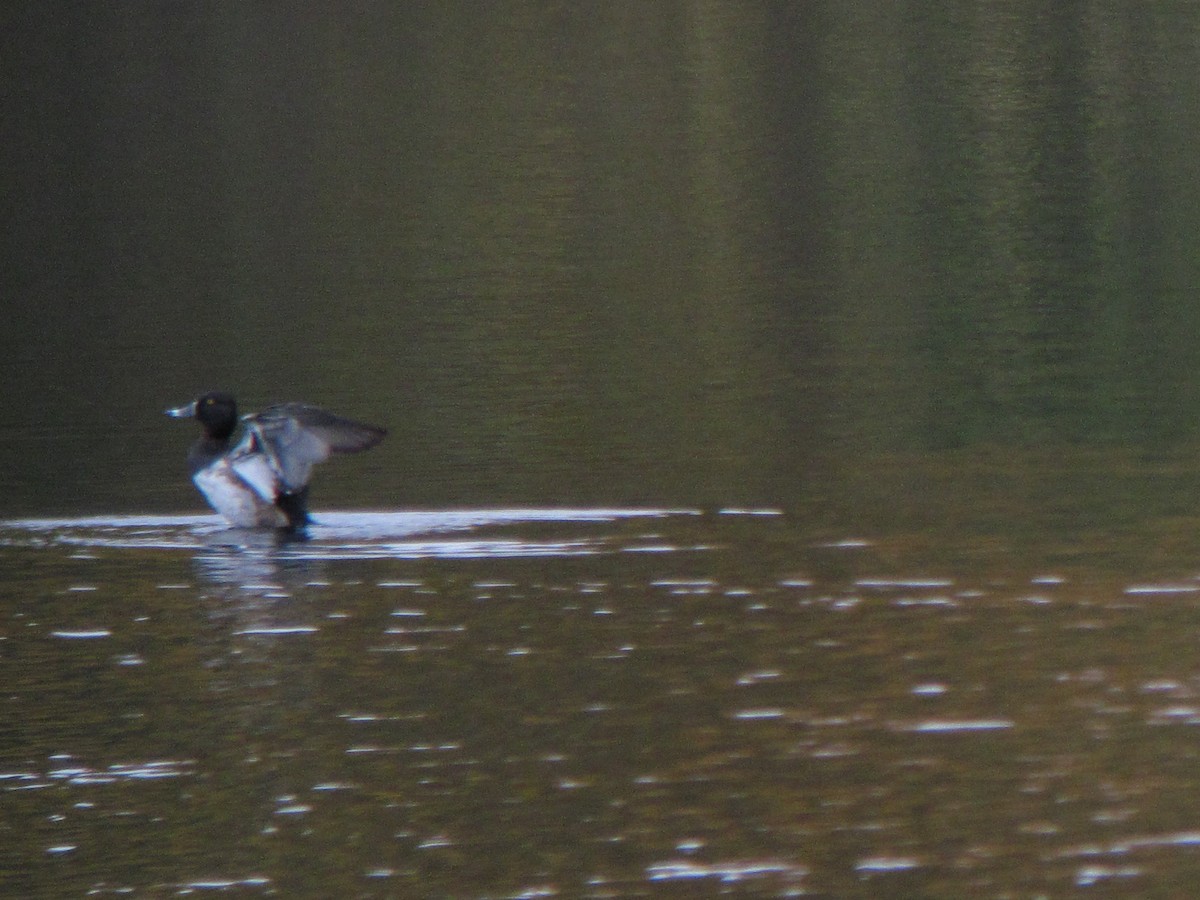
(216, 411)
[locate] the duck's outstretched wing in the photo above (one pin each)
(294, 437)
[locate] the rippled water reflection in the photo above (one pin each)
(603, 703)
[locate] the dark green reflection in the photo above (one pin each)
(690, 255)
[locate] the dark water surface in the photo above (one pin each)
(593, 703)
(803, 401)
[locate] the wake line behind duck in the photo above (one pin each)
(261, 478)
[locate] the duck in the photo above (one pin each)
(255, 470)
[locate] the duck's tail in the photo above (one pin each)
(294, 505)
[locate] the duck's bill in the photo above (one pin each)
(187, 411)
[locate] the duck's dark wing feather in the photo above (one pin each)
(295, 437)
(339, 434)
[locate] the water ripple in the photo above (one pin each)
(339, 535)
(727, 872)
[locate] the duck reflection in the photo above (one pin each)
(265, 611)
(261, 595)
(252, 561)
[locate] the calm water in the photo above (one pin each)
(794, 468)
